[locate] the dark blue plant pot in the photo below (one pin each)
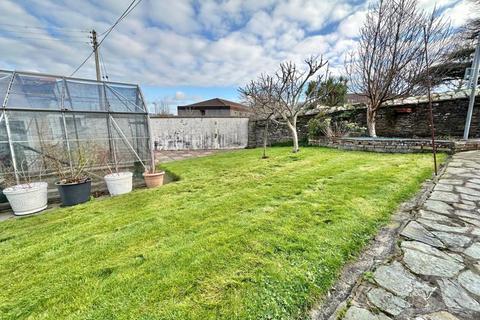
(3, 198)
(74, 193)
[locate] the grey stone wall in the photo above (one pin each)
(392, 121)
(448, 116)
(276, 133)
(397, 145)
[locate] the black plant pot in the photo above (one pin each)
(3, 198)
(74, 193)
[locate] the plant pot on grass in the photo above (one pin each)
(153, 179)
(3, 198)
(74, 192)
(74, 184)
(119, 182)
(27, 198)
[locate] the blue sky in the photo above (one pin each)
(185, 51)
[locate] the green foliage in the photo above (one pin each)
(316, 127)
(235, 238)
(332, 92)
(325, 126)
(342, 313)
(451, 68)
(368, 276)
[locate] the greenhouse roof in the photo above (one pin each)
(44, 92)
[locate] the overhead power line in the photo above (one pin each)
(104, 66)
(49, 39)
(44, 33)
(44, 28)
(124, 14)
(105, 34)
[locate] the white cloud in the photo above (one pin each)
(351, 25)
(461, 13)
(179, 95)
(430, 4)
(177, 15)
(173, 43)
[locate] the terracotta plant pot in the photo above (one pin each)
(153, 180)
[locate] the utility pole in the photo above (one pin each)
(473, 81)
(95, 50)
(102, 97)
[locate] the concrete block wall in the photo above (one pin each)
(199, 133)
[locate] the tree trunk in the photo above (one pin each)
(293, 130)
(265, 136)
(371, 122)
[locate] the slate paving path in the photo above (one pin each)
(436, 273)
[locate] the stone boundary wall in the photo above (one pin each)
(397, 145)
(407, 120)
(199, 133)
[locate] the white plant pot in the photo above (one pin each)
(27, 198)
(119, 183)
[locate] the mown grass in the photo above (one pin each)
(236, 238)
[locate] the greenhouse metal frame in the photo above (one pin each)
(77, 114)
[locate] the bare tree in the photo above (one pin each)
(391, 51)
(161, 107)
(283, 96)
(259, 95)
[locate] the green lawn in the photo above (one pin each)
(237, 237)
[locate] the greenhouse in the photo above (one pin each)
(104, 121)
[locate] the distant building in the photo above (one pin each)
(214, 107)
(355, 99)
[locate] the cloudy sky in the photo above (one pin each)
(184, 51)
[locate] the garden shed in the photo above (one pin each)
(39, 109)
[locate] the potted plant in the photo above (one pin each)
(152, 178)
(118, 182)
(28, 197)
(74, 185)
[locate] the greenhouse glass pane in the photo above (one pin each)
(4, 82)
(5, 159)
(35, 92)
(7, 175)
(3, 130)
(27, 126)
(124, 98)
(134, 127)
(87, 130)
(35, 135)
(85, 96)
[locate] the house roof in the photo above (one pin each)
(216, 102)
(353, 98)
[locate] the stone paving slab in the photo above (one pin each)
(435, 272)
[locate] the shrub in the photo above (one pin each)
(324, 126)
